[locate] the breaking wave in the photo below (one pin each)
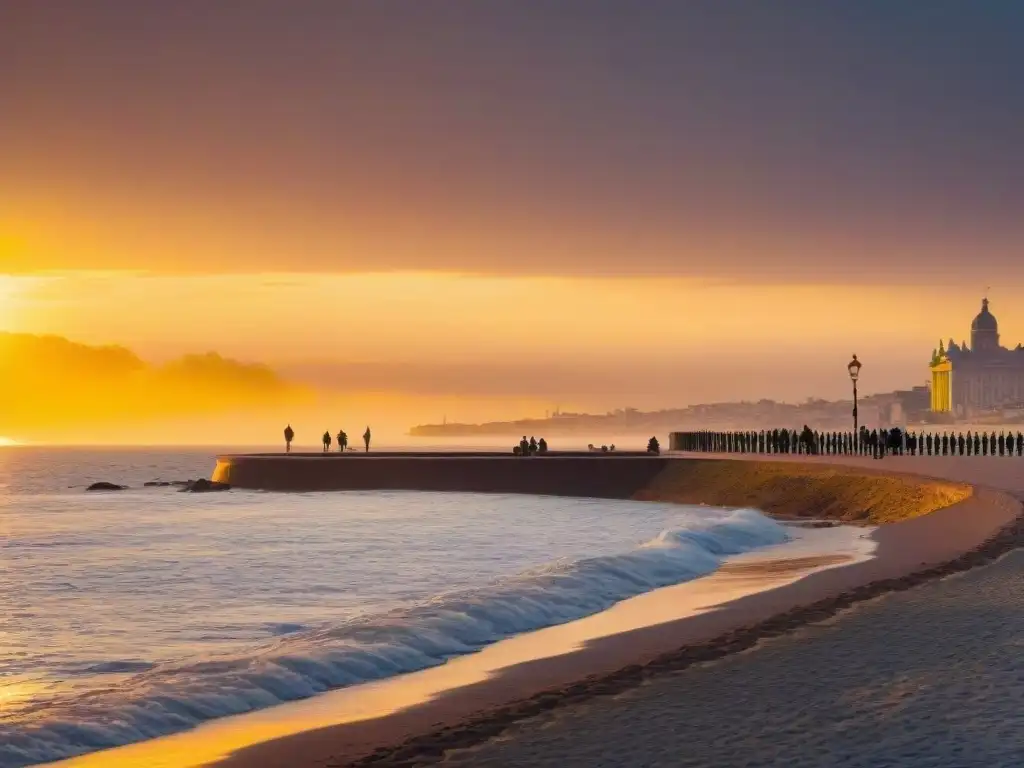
(304, 662)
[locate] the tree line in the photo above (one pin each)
(865, 442)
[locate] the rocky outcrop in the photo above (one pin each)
(202, 485)
(106, 487)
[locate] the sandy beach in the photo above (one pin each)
(925, 677)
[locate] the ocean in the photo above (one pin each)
(130, 615)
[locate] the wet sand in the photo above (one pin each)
(926, 677)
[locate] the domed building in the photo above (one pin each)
(971, 380)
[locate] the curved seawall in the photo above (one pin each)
(600, 476)
(782, 489)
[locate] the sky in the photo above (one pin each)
(611, 203)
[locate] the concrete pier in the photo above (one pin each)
(597, 475)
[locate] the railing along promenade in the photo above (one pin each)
(875, 442)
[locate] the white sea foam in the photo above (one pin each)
(302, 663)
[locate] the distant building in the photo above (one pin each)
(968, 381)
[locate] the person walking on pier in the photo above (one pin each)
(342, 440)
(366, 439)
(289, 435)
(327, 441)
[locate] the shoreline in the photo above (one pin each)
(930, 543)
(909, 553)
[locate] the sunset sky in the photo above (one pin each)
(592, 204)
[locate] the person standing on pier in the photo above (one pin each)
(366, 439)
(342, 440)
(289, 435)
(327, 441)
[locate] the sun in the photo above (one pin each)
(7, 441)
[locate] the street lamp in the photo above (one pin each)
(854, 369)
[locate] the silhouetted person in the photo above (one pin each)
(327, 441)
(960, 443)
(342, 440)
(524, 446)
(366, 439)
(542, 446)
(289, 435)
(896, 441)
(807, 439)
(1020, 444)
(533, 445)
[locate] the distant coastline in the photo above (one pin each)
(890, 409)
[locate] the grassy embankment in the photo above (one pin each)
(790, 490)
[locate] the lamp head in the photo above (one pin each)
(854, 368)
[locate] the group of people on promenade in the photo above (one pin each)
(876, 442)
(530, 447)
(289, 436)
(533, 446)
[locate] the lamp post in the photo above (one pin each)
(854, 369)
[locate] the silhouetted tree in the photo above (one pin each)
(653, 446)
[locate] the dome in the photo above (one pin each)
(985, 320)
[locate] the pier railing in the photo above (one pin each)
(875, 442)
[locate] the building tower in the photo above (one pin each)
(984, 332)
